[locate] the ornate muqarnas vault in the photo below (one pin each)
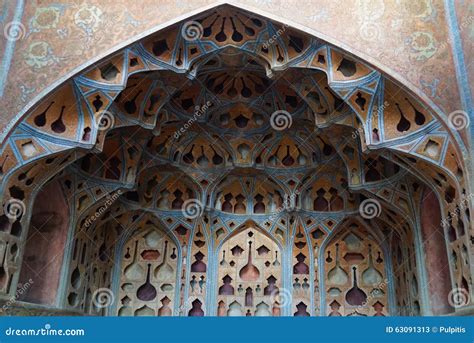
(231, 165)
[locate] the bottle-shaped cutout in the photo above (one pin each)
(221, 310)
(273, 159)
(164, 271)
(199, 233)
(299, 235)
(179, 61)
(248, 30)
(288, 160)
(201, 283)
(241, 121)
(154, 98)
(40, 119)
(211, 80)
(221, 36)
(337, 275)
(130, 105)
(355, 296)
(276, 263)
(280, 56)
(300, 267)
(202, 160)
(259, 87)
(246, 92)
(329, 258)
(240, 289)
(256, 22)
(235, 310)
(301, 158)
(147, 292)
(144, 311)
(232, 92)
(305, 284)
(189, 157)
(262, 310)
(327, 149)
(134, 271)
(219, 88)
(403, 124)
(58, 125)
(97, 103)
(379, 258)
(360, 101)
(223, 262)
(208, 29)
(216, 158)
(276, 309)
(419, 117)
(165, 310)
(239, 205)
(249, 272)
(320, 203)
(236, 35)
(371, 276)
(198, 266)
(193, 283)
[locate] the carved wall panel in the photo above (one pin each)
(149, 272)
(355, 276)
(249, 275)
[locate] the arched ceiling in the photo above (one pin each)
(241, 114)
